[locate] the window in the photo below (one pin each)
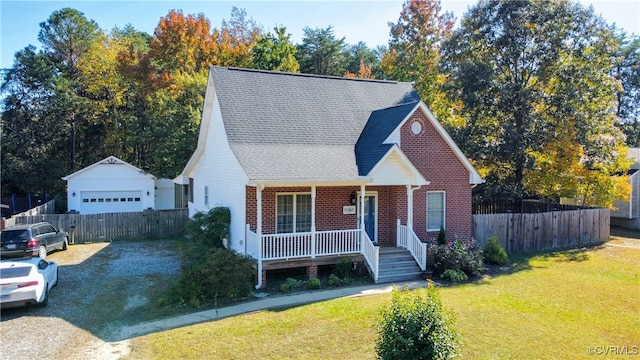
(435, 210)
(206, 196)
(190, 190)
(293, 213)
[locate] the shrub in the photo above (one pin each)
(442, 237)
(211, 227)
(494, 253)
(343, 268)
(416, 326)
(215, 275)
(458, 256)
(294, 284)
(334, 280)
(454, 275)
(314, 283)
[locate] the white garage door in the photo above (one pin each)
(96, 202)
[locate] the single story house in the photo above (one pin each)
(627, 213)
(112, 185)
(316, 167)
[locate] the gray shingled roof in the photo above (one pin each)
(284, 126)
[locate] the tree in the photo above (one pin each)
(33, 148)
(525, 73)
(362, 62)
(235, 39)
(275, 52)
(414, 52)
(321, 53)
(182, 43)
(627, 71)
(66, 35)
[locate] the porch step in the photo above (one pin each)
(397, 265)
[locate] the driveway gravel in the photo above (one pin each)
(102, 287)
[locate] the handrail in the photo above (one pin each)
(409, 240)
(371, 254)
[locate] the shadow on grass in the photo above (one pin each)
(524, 262)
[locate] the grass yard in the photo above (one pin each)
(549, 306)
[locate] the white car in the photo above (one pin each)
(26, 281)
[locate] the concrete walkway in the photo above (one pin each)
(129, 332)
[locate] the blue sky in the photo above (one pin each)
(355, 20)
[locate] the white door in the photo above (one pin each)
(97, 202)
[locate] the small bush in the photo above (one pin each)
(314, 283)
(211, 227)
(214, 275)
(454, 276)
(442, 237)
(334, 280)
(416, 326)
(294, 284)
(458, 256)
(343, 268)
(494, 253)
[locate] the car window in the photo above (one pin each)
(15, 235)
(46, 229)
(14, 272)
(43, 264)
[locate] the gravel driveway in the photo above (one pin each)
(102, 287)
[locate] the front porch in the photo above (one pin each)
(316, 248)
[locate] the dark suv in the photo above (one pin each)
(32, 240)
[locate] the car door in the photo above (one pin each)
(46, 236)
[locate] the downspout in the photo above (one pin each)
(259, 189)
(313, 221)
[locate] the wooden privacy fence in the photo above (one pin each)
(84, 228)
(523, 233)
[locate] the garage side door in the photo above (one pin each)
(96, 202)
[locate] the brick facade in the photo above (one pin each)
(429, 153)
(438, 163)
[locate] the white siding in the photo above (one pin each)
(391, 172)
(629, 209)
(110, 178)
(165, 194)
(219, 169)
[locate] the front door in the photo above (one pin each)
(370, 217)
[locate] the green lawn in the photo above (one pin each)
(550, 306)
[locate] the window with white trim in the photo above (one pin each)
(206, 196)
(435, 210)
(293, 213)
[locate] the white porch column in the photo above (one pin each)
(259, 189)
(409, 207)
(313, 221)
(362, 207)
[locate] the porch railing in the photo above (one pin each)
(371, 254)
(409, 240)
(320, 243)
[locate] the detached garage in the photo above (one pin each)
(110, 185)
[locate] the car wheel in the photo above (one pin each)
(65, 244)
(42, 252)
(45, 300)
